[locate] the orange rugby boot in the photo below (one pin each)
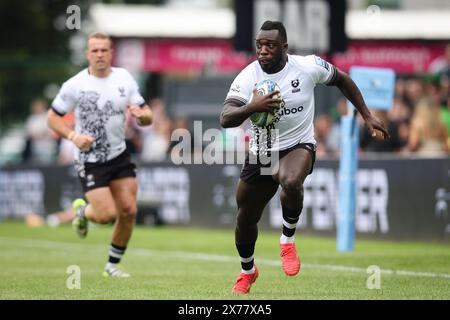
(244, 282)
(290, 259)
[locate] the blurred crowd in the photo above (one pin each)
(418, 122)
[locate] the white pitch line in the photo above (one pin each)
(185, 255)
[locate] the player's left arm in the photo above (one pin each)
(136, 103)
(348, 87)
(143, 114)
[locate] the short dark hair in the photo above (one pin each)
(275, 25)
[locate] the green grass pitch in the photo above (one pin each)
(184, 263)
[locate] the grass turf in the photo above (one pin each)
(169, 263)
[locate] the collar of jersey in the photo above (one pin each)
(99, 78)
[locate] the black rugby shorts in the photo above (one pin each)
(251, 172)
(97, 175)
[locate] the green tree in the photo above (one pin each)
(33, 52)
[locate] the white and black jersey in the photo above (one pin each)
(99, 106)
(294, 123)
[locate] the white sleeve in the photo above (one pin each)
(321, 71)
(135, 96)
(65, 100)
(242, 87)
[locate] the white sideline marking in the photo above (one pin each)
(211, 257)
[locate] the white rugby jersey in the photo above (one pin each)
(99, 106)
(294, 123)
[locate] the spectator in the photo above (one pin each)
(41, 143)
(399, 111)
(442, 63)
(414, 91)
(133, 138)
(61, 217)
(66, 149)
(156, 139)
(334, 138)
(368, 144)
(322, 128)
(428, 135)
(182, 122)
(445, 116)
(404, 127)
(400, 88)
(433, 88)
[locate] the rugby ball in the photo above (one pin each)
(263, 119)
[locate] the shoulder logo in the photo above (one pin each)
(236, 88)
(295, 85)
(322, 63)
(122, 91)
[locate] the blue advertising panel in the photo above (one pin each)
(376, 85)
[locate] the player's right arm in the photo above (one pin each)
(56, 123)
(64, 102)
(242, 99)
(235, 112)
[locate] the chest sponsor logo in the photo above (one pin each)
(286, 111)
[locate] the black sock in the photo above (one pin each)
(246, 253)
(116, 253)
(290, 216)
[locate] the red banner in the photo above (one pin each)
(179, 55)
(405, 57)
